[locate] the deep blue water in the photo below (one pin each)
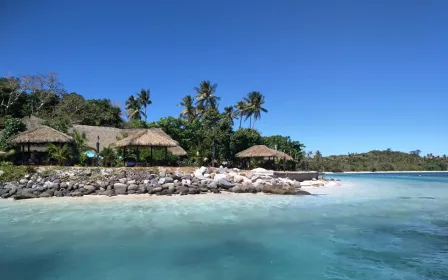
(371, 227)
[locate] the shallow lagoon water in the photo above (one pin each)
(370, 227)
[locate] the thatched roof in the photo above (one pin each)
(257, 151)
(284, 156)
(108, 135)
(177, 151)
(32, 122)
(42, 134)
(146, 138)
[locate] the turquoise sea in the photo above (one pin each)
(375, 226)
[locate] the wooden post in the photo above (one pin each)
(23, 153)
(138, 155)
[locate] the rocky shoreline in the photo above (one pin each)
(76, 182)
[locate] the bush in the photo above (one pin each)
(12, 127)
(14, 173)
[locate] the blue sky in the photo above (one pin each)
(340, 76)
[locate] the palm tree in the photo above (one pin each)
(229, 114)
(144, 100)
(240, 108)
(189, 111)
(205, 96)
(254, 101)
(133, 108)
(79, 145)
(60, 153)
(108, 156)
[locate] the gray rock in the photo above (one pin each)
(133, 187)
(182, 190)
(193, 191)
(123, 180)
(198, 174)
(58, 193)
(168, 185)
(162, 173)
(130, 182)
(23, 181)
(89, 189)
(213, 185)
(219, 177)
(186, 182)
(223, 183)
(120, 188)
(157, 189)
(142, 189)
(46, 194)
(302, 192)
(24, 194)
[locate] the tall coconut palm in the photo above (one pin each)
(144, 100)
(240, 108)
(205, 96)
(229, 114)
(189, 111)
(254, 108)
(133, 108)
(59, 153)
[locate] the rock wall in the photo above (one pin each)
(110, 182)
(298, 176)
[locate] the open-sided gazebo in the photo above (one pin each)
(40, 136)
(262, 151)
(146, 138)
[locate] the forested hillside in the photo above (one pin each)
(386, 160)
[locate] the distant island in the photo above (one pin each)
(374, 161)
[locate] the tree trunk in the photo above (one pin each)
(241, 119)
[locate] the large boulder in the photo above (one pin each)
(203, 170)
(165, 180)
(133, 187)
(89, 189)
(198, 174)
(120, 188)
(262, 172)
(182, 190)
(223, 183)
(219, 177)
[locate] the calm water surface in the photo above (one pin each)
(391, 226)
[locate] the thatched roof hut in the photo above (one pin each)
(177, 151)
(257, 151)
(41, 135)
(32, 122)
(108, 135)
(284, 156)
(146, 138)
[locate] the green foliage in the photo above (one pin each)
(59, 153)
(285, 144)
(109, 156)
(61, 123)
(245, 138)
(79, 147)
(133, 108)
(253, 107)
(137, 124)
(386, 160)
(12, 127)
(110, 115)
(13, 173)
